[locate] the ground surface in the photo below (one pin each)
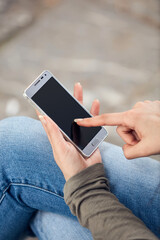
(111, 49)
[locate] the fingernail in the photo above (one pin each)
(78, 83)
(42, 119)
(78, 119)
(96, 100)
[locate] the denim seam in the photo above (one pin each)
(27, 185)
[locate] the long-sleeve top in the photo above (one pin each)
(89, 198)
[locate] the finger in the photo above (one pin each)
(78, 92)
(136, 136)
(38, 113)
(135, 151)
(41, 118)
(110, 119)
(127, 135)
(95, 107)
(57, 139)
(55, 136)
(43, 122)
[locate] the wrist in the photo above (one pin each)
(73, 172)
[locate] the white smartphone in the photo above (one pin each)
(51, 98)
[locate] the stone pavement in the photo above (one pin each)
(113, 53)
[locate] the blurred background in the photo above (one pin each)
(111, 46)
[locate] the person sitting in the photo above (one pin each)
(47, 187)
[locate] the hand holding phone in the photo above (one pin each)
(69, 160)
(51, 98)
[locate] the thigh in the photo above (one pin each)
(30, 180)
(50, 226)
(136, 183)
(27, 165)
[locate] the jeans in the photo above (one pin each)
(31, 185)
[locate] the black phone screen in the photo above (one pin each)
(60, 106)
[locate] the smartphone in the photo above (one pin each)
(51, 98)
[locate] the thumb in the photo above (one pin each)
(135, 151)
(55, 136)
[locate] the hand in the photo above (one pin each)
(138, 127)
(69, 160)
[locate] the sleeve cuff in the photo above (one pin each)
(89, 174)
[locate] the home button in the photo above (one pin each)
(95, 142)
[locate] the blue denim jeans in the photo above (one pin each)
(31, 185)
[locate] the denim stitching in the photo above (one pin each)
(27, 185)
(2, 198)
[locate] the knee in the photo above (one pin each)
(18, 131)
(23, 148)
(19, 137)
(110, 152)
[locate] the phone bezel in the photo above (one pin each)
(36, 85)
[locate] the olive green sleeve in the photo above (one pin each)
(89, 198)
